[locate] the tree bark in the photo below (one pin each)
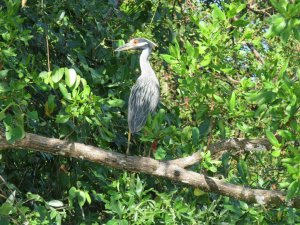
(172, 169)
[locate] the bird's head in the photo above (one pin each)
(137, 44)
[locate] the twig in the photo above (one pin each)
(261, 12)
(255, 53)
(48, 51)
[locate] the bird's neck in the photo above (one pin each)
(146, 68)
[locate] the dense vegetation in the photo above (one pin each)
(227, 69)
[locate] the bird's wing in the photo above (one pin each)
(144, 98)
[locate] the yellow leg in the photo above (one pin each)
(128, 142)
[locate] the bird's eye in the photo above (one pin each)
(135, 42)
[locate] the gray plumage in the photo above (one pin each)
(144, 96)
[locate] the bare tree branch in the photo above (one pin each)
(263, 12)
(172, 170)
(240, 144)
(248, 145)
(255, 53)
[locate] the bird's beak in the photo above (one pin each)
(125, 47)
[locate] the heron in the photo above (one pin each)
(144, 95)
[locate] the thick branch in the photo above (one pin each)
(167, 169)
(187, 161)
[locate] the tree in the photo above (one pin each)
(227, 124)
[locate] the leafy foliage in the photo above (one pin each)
(214, 86)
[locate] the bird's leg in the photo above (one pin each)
(128, 142)
(144, 145)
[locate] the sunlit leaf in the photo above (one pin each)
(64, 91)
(273, 140)
(116, 102)
(56, 203)
(58, 74)
(70, 77)
(160, 153)
(81, 198)
(293, 189)
(218, 13)
(232, 102)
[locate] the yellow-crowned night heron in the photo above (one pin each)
(144, 96)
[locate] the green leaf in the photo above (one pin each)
(279, 23)
(298, 73)
(198, 192)
(72, 192)
(240, 23)
(2, 115)
(58, 74)
(280, 5)
(64, 91)
(116, 207)
(139, 187)
(195, 135)
(297, 33)
(50, 105)
(203, 28)
(276, 153)
(81, 198)
(169, 59)
(116, 102)
(6, 209)
(14, 133)
(120, 43)
(14, 128)
(244, 205)
(189, 49)
(235, 9)
(78, 79)
(232, 102)
(70, 77)
(116, 221)
(243, 170)
(240, 7)
(206, 60)
(3, 73)
(44, 74)
(56, 203)
(4, 87)
(286, 135)
(285, 34)
(160, 153)
(88, 197)
(273, 140)
(9, 52)
(283, 68)
(218, 13)
(62, 118)
(204, 127)
(293, 189)
(218, 98)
